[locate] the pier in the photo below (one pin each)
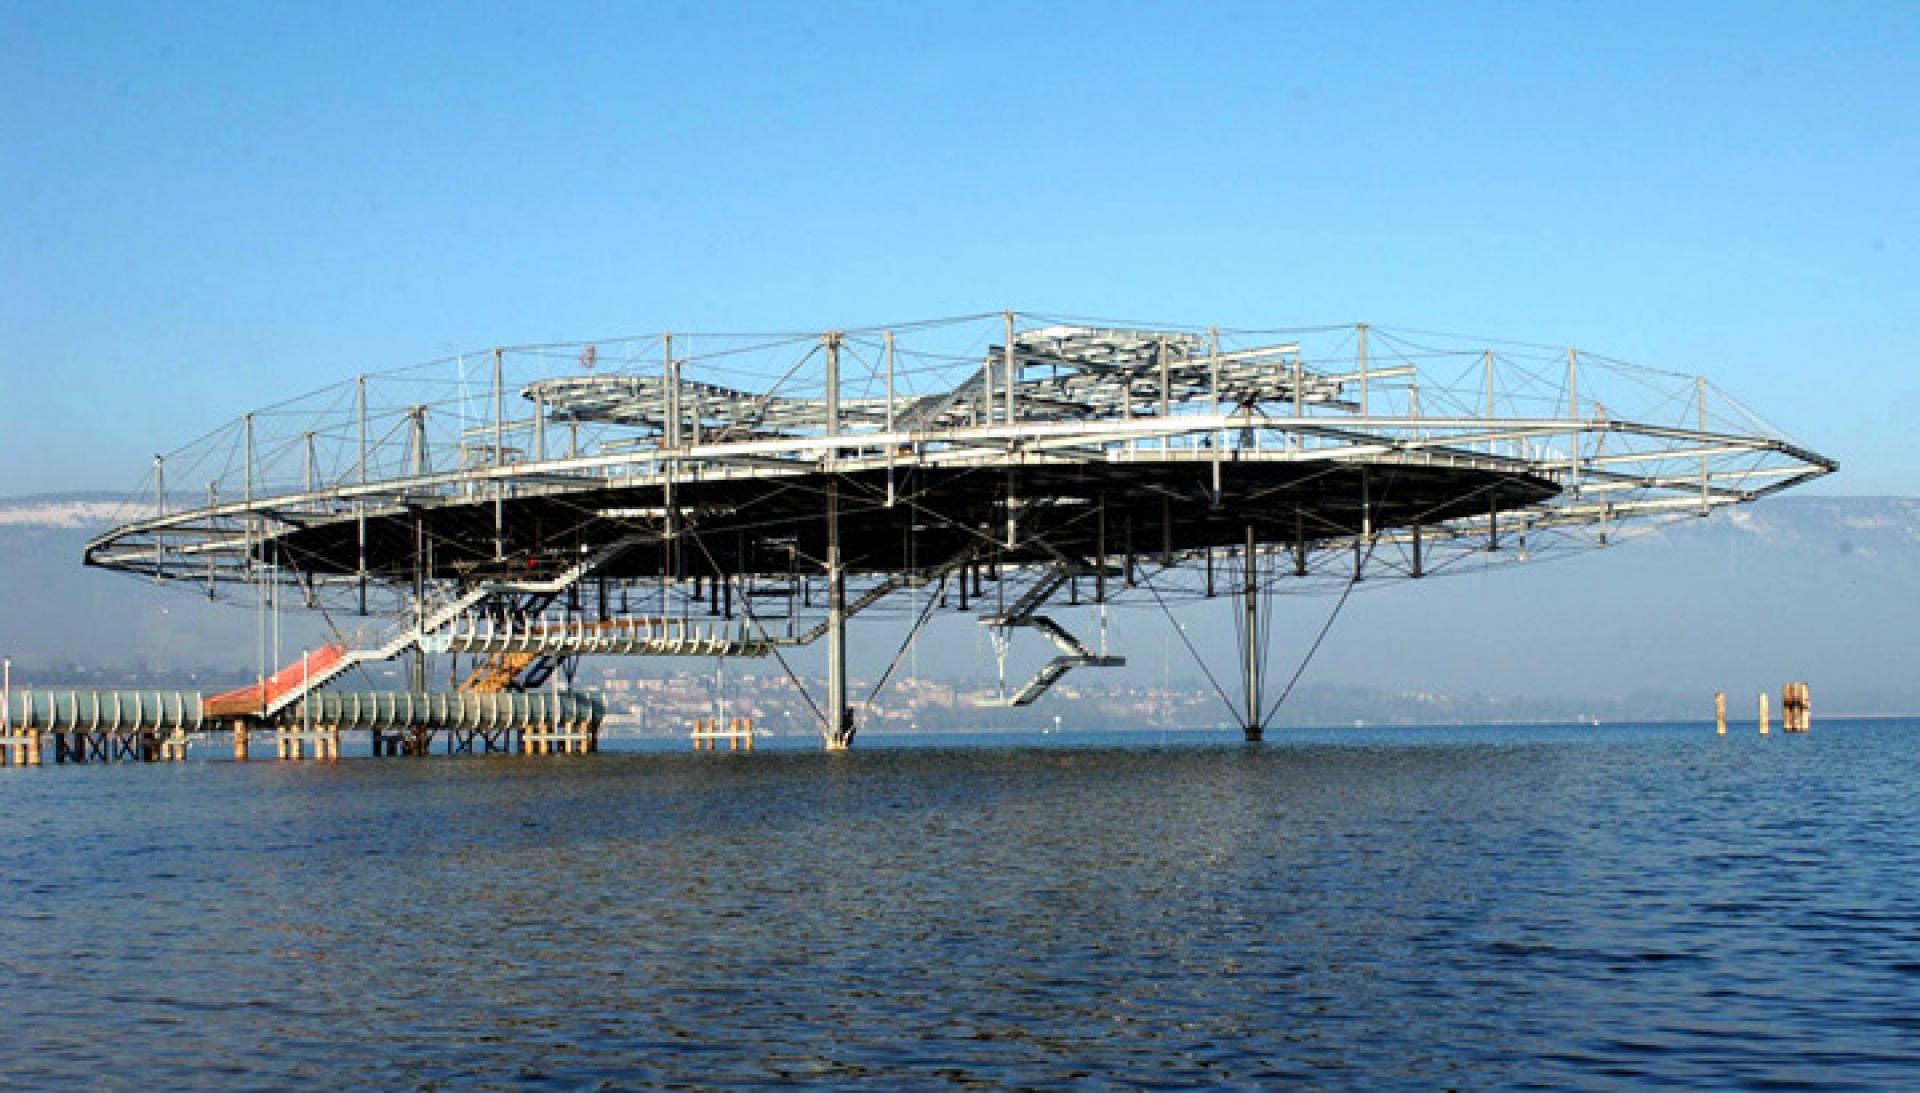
(74, 726)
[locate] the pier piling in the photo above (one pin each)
(1796, 708)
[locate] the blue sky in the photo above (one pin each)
(209, 207)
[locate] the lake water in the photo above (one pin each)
(1358, 908)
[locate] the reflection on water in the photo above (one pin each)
(1434, 907)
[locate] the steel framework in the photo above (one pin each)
(553, 501)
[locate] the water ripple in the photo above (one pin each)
(1527, 908)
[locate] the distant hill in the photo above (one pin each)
(1825, 589)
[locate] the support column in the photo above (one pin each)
(1251, 724)
(839, 717)
(360, 503)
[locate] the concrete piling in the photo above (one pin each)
(1720, 713)
(1763, 713)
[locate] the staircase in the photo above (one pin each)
(497, 673)
(1074, 652)
(877, 593)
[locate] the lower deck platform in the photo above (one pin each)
(73, 726)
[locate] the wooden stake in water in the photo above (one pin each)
(1795, 708)
(1720, 713)
(1763, 713)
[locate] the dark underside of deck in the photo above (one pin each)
(777, 525)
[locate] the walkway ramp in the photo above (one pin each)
(643, 636)
(253, 700)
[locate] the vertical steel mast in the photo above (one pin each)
(839, 727)
(1252, 722)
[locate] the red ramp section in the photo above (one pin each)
(254, 699)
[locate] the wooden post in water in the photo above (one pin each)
(1795, 708)
(1763, 713)
(1720, 713)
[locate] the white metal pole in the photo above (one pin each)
(839, 717)
(360, 503)
(1361, 328)
(259, 590)
(831, 340)
(213, 498)
(1573, 415)
(886, 341)
(540, 427)
(669, 436)
(1486, 365)
(309, 477)
(1213, 404)
(499, 459)
(1251, 607)
(1700, 397)
(1012, 370)
(1166, 394)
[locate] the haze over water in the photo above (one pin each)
(1434, 907)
